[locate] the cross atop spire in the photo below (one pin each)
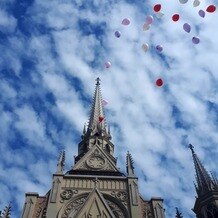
(97, 122)
(205, 182)
(98, 81)
(192, 148)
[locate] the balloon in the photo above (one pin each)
(125, 21)
(104, 102)
(201, 13)
(187, 27)
(196, 3)
(159, 15)
(107, 64)
(149, 19)
(146, 26)
(159, 82)
(175, 17)
(117, 34)
(211, 8)
(159, 48)
(145, 47)
(183, 1)
(157, 7)
(195, 40)
(101, 119)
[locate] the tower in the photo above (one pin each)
(206, 203)
(94, 187)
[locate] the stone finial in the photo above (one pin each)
(129, 164)
(61, 162)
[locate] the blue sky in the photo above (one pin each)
(51, 54)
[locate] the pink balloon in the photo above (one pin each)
(126, 21)
(104, 102)
(149, 19)
(107, 64)
(195, 40)
(159, 48)
(117, 34)
(201, 13)
(187, 27)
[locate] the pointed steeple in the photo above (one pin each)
(205, 182)
(129, 165)
(61, 162)
(7, 212)
(97, 123)
(178, 214)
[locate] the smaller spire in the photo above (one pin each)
(61, 162)
(84, 129)
(205, 182)
(129, 165)
(178, 214)
(97, 122)
(7, 212)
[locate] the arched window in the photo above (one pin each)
(107, 148)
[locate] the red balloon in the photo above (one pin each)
(101, 119)
(211, 8)
(159, 82)
(175, 17)
(157, 7)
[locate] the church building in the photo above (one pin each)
(95, 188)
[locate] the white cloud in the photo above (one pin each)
(141, 111)
(7, 22)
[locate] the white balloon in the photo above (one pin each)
(183, 1)
(159, 14)
(196, 3)
(146, 26)
(145, 47)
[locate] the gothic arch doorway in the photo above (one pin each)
(72, 207)
(70, 210)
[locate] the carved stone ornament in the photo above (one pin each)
(121, 196)
(115, 209)
(67, 194)
(147, 213)
(40, 207)
(95, 162)
(73, 207)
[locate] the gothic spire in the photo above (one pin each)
(61, 162)
(129, 165)
(205, 182)
(97, 122)
(7, 212)
(178, 214)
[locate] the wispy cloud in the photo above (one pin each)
(51, 53)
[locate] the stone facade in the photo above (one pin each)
(94, 187)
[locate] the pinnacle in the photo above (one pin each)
(97, 121)
(204, 181)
